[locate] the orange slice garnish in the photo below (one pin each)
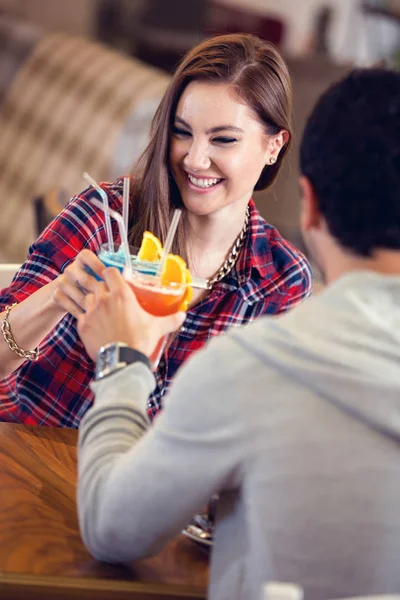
(151, 248)
(188, 295)
(175, 271)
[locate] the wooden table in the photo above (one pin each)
(41, 552)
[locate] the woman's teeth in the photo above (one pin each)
(203, 183)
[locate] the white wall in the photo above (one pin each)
(354, 37)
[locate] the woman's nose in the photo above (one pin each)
(197, 158)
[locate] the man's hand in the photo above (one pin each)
(113, 314)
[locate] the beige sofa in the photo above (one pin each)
(67, 105)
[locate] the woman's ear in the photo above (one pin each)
(282, 139)
(276, 144)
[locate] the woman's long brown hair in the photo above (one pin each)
(259, 77)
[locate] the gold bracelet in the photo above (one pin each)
(31, 355)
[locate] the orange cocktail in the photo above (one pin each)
(165, 291)
(159, 299)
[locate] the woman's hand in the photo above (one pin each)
(113, 314)
(71, 287)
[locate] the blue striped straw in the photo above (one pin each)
(122, 231)
(104, 198)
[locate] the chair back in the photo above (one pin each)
(7, 272)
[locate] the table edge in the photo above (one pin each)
(21, 585)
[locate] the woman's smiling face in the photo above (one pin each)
(218, 148)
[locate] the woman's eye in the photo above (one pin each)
(178, 132)
(224, 140)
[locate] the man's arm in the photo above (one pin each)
(139, 486)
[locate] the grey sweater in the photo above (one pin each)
(296, 420)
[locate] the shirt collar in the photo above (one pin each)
(256, 252)
(255, 265)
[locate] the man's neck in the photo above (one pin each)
(386, 262)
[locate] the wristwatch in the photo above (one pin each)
(116, 356)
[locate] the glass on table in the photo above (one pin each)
(202, 526)
(206, 520)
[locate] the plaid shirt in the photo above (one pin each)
(269, 277)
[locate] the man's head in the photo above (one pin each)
(350, 165)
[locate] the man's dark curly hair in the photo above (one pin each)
(350, 152)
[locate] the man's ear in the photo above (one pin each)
(310, 214)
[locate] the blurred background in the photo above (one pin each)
(80, 81)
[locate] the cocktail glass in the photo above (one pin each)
(158, 299)
(201, 528)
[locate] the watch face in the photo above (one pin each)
(106, 361)
(109, 357)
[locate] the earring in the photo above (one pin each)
(272, 160)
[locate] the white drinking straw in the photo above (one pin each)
(125, 202)
(122, 231)
(104, 197)
(168, 241)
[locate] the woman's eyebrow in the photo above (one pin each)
(225, 128)
(182, 122)
(213, 129)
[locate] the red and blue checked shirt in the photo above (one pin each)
(270, 277)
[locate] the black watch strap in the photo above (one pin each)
(130, 355)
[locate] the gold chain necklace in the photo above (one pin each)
(233, 255)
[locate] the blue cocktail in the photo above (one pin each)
(113, 256)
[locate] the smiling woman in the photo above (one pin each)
(221, 131)
(218, 150)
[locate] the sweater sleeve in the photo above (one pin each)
(140, 485)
